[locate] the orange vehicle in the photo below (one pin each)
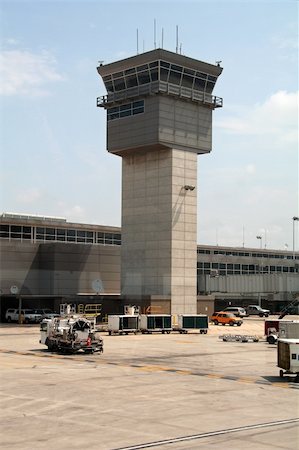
(225, 318)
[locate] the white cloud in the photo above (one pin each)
(250, 169)
(26, 73)
(277, 116)
(11, 41)
(29, 195)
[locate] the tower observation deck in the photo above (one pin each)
(159, 117)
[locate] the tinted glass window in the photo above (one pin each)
(174, 77)
(187, 81)
(154, 74)
(164, 74)
(119, 84)
(144, 77)
(131, 81)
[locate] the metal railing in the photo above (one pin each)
(162, 87)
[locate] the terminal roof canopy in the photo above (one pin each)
(159, 65)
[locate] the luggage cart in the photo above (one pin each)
(185, 322)
(149, 323)
(288, 357)
(239, 338)
(123, 324)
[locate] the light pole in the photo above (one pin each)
(259, 294)
(294, 220)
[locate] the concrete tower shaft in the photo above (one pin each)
(159, 117)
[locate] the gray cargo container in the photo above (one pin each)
(185, 322)
(155, 322)
(289, 329)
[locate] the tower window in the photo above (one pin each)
(126, 110)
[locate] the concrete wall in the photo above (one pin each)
(159, 227)
(185, 124)
(58, 269)
(166, 120)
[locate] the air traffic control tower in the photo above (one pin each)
(159, 118)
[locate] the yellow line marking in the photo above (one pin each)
(281, 385)
(50, 356)
(184, 372)
(149, 368)
(213, 375)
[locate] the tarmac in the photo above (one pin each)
(172, 391)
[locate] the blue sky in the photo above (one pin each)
(53, 139)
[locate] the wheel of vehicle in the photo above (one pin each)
(281, 373)
(261, 314)
(271, 339)
(231, 324)
(239, 324)
(8, 319)
(216, 322)
(109, 332)
(168, 332)
(49, 345)
(266, 315)
(205, 332)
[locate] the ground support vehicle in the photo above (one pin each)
(70, 335)
(149, 323)
(123, 324)
(239, 338)
(271, 330)
(225, 318)
(236, 310)
(185, 322)
(256, 310)
(287, 329)
(23, 315)
(288, 357)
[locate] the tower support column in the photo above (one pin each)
(159, 218)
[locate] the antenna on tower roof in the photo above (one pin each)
(137, 42)
(155, 43)
(177, 39)
(162, 38)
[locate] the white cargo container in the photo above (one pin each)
(123, 324)
(155, 322)
(288, 356)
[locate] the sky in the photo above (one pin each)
(53, 137)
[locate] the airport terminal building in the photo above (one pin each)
(51, 261)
